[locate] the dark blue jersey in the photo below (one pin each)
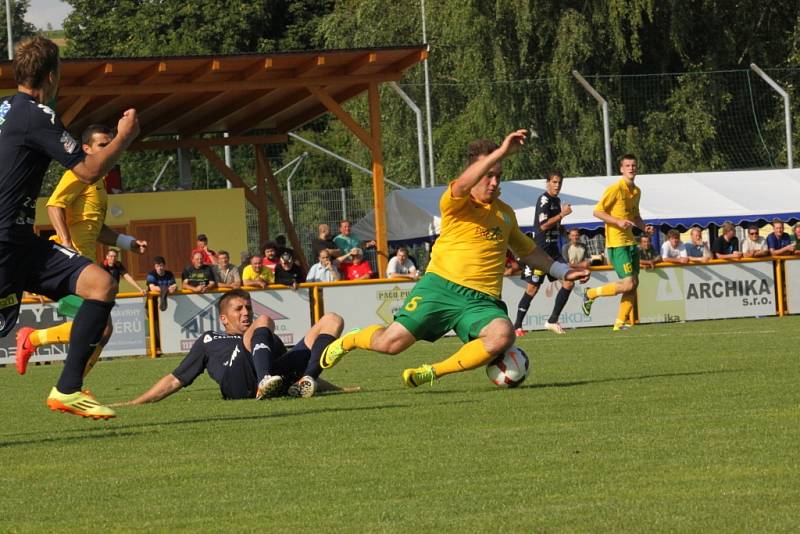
(547, 206)
(31, 136)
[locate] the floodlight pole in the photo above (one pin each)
(427, 95)
(604, 104)
(786, 110)
(228, 159)
(8, 29)
(420, 132)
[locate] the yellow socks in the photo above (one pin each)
(625, 308)
(360, 339)
(469, 356)
(54, 334)
(608, 290)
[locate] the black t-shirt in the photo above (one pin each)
(30, 137)
(721, 246)
(214, 351)
(547, 206)
(199, 277)
(117, 270)
(290, 276)
(317, 245)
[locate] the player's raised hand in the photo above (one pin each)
(513, 142)
(128, 125)
(581, 275)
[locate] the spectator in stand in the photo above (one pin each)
(271, 257)
(726, 246)
(754, 246)
(356, 268)
(161, 281)
(697, 250)
(209, 256)
(198, 277)
(227, 274)
(244, 261)
(256, 275)
(288, 273)
(779, 242)
(324, 242)
(117, 270)
(400, 266)
(345, 241)
(673, 251)
(797, 239)
(655, 235)
(280, 240)
(325, 270)
(648, 256)
(575, 252)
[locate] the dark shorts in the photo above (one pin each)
(240, 380)
(37, 265)
(535, 277)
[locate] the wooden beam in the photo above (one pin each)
(363, 61)
(263, 166)
(317, 110)
(219, 104)
(220, 86)
(259, 116)
(228, 173)
(101, 71)
(153, 124)
(259, 67)
(334, 107)
(378, 193)
(172, 144)
(69, 115)
(311, 64)
(408, 61)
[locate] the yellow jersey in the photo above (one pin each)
(250, 274)
(623, 203)
(471, 248)
(85, 206)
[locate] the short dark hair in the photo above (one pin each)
(404, 249)
(35, 58)
(222, 304)
(202, 237)
(674, 233)
(88, 133)
(776, 220)
(223, 252)
(752, 227)
(160, 259)
(555, 174)
(478, 148)
(269, 244)
(627, 156)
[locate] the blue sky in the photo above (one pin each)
(43, 11)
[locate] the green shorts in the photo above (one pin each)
(436, 305)
(625, 260)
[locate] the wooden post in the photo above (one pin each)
(377, 180)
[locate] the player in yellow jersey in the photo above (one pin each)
(461, 288)
(77, 211)
(619, 209)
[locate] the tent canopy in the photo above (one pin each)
(669, 200)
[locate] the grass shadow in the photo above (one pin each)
(624, 379)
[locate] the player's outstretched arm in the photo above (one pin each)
(125, 242)
(539, 259)
(160, 390)
(95, 166)
(481, 167)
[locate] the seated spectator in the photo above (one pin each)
(726, 245)
(161, 281)
(198, 277)
(345, 241)
(325, 270)
(117, 270)
(255, 275)
(227, 274)
(271, 256)
(797, 239)
(512, 265)
(655, 235)
(356, 268)
(575, 252)
(648, 256)
(697, 250)
(287, 272)
(324, 242)
(400, 266)
(673, 251)
(754, 246)
(779, 242)
(209, 256)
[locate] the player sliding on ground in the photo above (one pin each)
(461, 288)
(77, 211)
(249, 361)
(619, 209)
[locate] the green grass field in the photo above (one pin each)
(673, 427)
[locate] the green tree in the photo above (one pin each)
(19, 27)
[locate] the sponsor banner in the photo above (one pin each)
(365, 304)
(792, 270)
(699, 292)
(188, 316)
(129, 318)
(604, 310)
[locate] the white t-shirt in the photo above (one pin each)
(405, 268)
(748, 245)
(667, 250)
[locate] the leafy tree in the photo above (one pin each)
(19, 27)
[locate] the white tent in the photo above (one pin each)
(672, 200)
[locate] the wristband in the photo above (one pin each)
(558, 270)
(125, 242)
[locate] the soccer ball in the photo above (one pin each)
(510, 369)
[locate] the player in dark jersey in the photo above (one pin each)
(248, 360)
(31, 136)
(546, 231)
